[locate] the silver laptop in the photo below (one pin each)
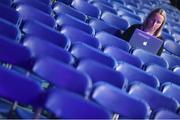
(142, 40)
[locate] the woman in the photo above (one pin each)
(153, 25)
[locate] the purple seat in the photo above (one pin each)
(28, 12)
(62, 8)
(122, 56)
(61, 102)
(99, 72)
(153, 97)
(134, 74)
(76, 35)
(166, 114)
(86, 8)
(41, 48)
(118, 101)
(62, 75)
(83, 51)
(172, 47)
(44, 32)
(107, 39)
(13, 53)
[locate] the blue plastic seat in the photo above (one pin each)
(177, 70)
(172, 47)
(10, 14)
(61, 102)
(148, 58)
(117, 101)
(105, 2)
(20, 88)
(171, 90)
(34, 3)
(115, 20)
(131, 20)
(99, 72)
(122, 56)
(65, 19)
(164, 75)
(76, 35)
(45, 33)
(166, 114)
(172, 60)
(62, 75)
(103, 7)
(134, 74)
(28, 12)
(9, 30)
(6, 2)
(62, 8)
(82, 51)
(167, 36)
(107, 39)
(100, 25)
(41, 48)
(13, 53)
(86, 8)
(153, 97)
(67, 2)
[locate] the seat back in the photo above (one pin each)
(45, 33)
(153, 97)
(61, 102)
(100, 72)
(81, 51)
(117, 101)
(62, 75)
(172, 47)
(123, 56)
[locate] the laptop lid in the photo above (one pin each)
(143, 40)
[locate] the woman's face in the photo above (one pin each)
(154, 22)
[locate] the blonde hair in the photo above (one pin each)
(155, 11)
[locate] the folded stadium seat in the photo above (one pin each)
(167, 36)
(28, 12)
(164, 75)
(131, 20)
(83, 51)
(9, 14)
(6, 2)
(118, 7)
(34, 3)
(67, 105)
(44, 32)
(124, 12)
(172, 47)
(105, 2)
(100, 25)
(153, 97)
(86, 8)
(176, 36)
(99, 72)
(122, 56)
(65, 19)
(13, 53)
(19, 89)
(41, 48)
(118, 101)
(104, 7)
(148, 58)
(134, 74)
(62, 75)
(67, 2)
(107, 39)
(177, 70)
(172, 60)
(165, 114)
(171, 90)
(76, 35)
(9, 30)
(47, 2)
(116, 3)
(62, 8)
(115, 20)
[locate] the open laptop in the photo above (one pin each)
(142, 40)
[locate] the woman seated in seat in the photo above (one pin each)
(153, 25)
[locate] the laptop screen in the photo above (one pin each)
(141, 39)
